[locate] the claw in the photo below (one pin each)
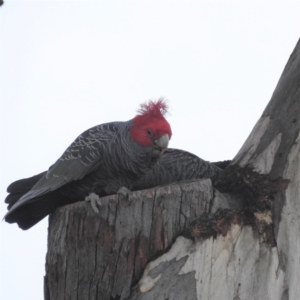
(124, 191)
(93, 198)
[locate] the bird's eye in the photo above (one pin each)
(149, 132)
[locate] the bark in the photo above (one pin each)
(237, 240)
(101, 256)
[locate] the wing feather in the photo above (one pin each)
(82, 157)
(177, 165)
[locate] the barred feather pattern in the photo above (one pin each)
(101, 160)
(177, 165)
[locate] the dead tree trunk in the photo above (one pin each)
(201, 243)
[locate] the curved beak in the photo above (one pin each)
(160, 145)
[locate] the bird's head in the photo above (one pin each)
(150, 128)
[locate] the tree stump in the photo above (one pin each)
(191, 240)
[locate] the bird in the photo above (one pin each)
(177, 165)
(105, 160)
(101, 160)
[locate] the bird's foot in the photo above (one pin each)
(93, 198)
(124, 191)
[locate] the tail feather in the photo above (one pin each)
(28, 215)
(31, 213)
(24, 185)
(19, 188)
(13, 198)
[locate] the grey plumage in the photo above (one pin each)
(177, 165)
(174, 165)
(102, 160)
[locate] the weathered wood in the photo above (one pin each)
(101, 256)
(239, 264)
(251, 251)
(236, 266)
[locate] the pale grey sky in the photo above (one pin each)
(69, 65)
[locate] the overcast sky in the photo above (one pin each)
(67, 66)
